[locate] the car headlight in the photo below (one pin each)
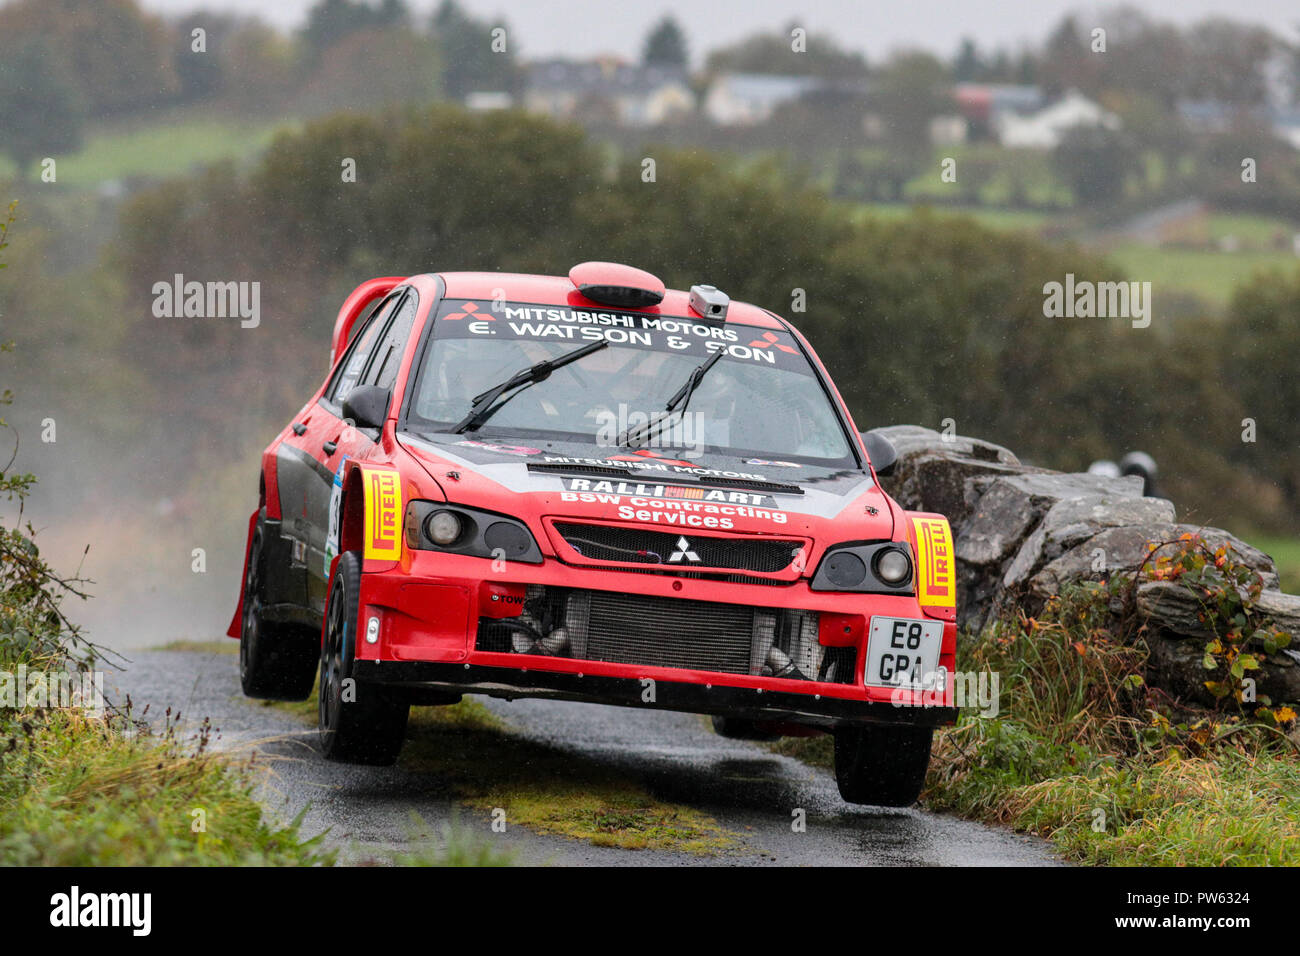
(457, 529)
(892, 566)
(443, 527)
(879, 567)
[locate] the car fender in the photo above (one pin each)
(934, 550)
(368, 514)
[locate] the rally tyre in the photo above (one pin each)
(369, 725)
(883, 766)
(276, 661)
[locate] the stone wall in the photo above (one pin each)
(1022, 533)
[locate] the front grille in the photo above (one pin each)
(671, 571)
(700, 635)
(622, 628)
(639, 546)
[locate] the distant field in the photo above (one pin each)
(160, 149)
(1210, 275)
(1286, 553)
(1250, 230)
(1003, 220)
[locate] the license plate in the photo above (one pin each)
(903, 652)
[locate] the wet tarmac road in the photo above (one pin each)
(751, 792)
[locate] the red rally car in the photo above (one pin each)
(593, 488)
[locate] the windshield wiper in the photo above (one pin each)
(681, 397)
(483, 408)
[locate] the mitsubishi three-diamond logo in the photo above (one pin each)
(683, 553)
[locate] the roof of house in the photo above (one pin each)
(771, 87)
(600, 76)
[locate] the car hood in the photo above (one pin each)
(566, 479)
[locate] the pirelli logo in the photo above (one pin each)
(937, 573)
(383, 515)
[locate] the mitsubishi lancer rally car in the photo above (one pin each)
(593, 488)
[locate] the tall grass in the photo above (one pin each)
(1084, 753)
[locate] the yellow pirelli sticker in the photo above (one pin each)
(383, 514)
(936, 579)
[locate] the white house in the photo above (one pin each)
(629, 95)
(984, 104)
(1045, 128)
(746, 99)
(1286, 125)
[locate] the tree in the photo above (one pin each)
(331, 21)
(259, 68)
(203, 75)
(774, 53)
(967, 66)
(1261, 350)
(1095, 162)
(908, 92)
(373, 68)
(41, 112)
(470, 61)
(1230, 60)
(665, 45)
(1065, 62)
(124, 57)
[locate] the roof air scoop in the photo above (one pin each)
(612, 283)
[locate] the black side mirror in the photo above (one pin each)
(882, 452)
(367, 406)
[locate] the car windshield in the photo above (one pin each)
(762, 399)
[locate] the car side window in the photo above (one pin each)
(354, 362)
(388, 355)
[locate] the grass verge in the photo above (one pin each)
(77, 790)
(1085, 754)
(88, 785)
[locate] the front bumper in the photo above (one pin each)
(753, 703)
(430, 606)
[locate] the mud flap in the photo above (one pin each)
(234, 628)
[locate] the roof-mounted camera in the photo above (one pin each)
(709, 302)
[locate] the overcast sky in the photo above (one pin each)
(584, 27)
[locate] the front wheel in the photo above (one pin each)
(359, 723)
(882, 765)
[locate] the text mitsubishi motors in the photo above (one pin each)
(594, 488)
